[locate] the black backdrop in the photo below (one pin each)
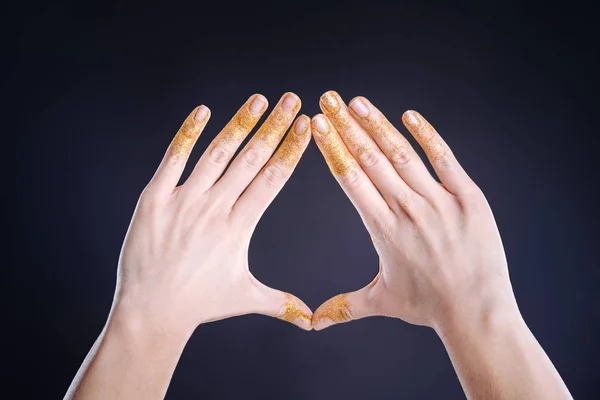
(93, 102)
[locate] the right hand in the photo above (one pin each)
(441, 257)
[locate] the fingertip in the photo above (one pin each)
(302, 125)
(296, 312)
(322, 324)
(411, 118)
(333, 311)
(330, 102)
(329, 93)
(202, 113)
(320, 124)
(258, 103)
(292, 95)
(360, 106)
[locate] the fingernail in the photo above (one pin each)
(411, 118)
(258, 104)
(301, 126)
(321, 124)
(296, 313)
(201, 114)
(322, 324)
(290, 102)
(303, 323)
(330, 102)
(359, 107)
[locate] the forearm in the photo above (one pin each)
(497, 357)
(128, 361)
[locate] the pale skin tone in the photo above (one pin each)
(184, 260)
(442, 263)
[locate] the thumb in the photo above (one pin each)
(344, 308)
(281, 305)
(349, 306)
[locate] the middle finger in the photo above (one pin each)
(380, 171)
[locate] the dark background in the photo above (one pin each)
(92, 103)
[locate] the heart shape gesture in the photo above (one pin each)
(184, 260)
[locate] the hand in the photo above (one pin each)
(441, 257)
(185, 257)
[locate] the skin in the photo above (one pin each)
(184, 261)
(442, 263)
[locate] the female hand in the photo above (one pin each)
(185, 257)
(440, 252)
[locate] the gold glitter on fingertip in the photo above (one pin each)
(184, 140)
(292, 311)
(336, 309)
(330, 102)
(241, 124)
(273, 129)
(291, 149)
(411, 118)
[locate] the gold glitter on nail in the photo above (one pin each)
(277, 123)
(292, 147)
(241, 124)
(426, 135)
(186, 137)
(336, 309)
(389, 139)
(356, 139)
(293, 311)
(330, 102)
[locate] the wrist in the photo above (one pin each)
(481, 319)
(144, 330)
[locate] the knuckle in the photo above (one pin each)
(369, 158)
(351, 179)
(275, 175)
(405, 204)
(253, 157)
(401, 158)
(440, 155)
(473, 200)
(149, 200)
(219, 154)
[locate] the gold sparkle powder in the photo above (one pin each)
(186, 137)
(293, 311)
(241, 124)
(337, 156)
(426, 135)
(336, 309)
(276, 124)
(387, 135)
(292, 147)
(330, 102)
(357, 140)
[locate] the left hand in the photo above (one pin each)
(185, 258)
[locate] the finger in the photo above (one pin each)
(398, 150)
(377, 167)
(169, 172)
(353, 180)
(259, 149)
(344, 308)
(271, 179)
(281, 305)
(214, 160)
(446, 166)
